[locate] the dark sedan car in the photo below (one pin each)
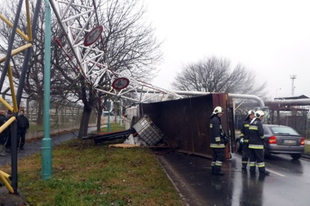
(280, 139)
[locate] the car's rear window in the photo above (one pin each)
(283, 131)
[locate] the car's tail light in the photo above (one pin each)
(272, 140)
(303, 141)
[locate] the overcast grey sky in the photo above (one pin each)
(271, 37)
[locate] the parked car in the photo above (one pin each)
(280, 139)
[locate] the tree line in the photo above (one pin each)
(129, 44)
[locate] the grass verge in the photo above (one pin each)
(307, 149)
(113, 127)
(89, 174)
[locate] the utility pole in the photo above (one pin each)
(47, 141)
(293, 77)
(277, 92)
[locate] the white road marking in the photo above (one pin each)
(306, 174)
(275, 173)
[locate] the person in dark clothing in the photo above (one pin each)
(22, 127)
(3, 134)
(217, 141)
(8, 142)
(245, 134)
(256, 144)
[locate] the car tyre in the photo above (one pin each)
(295, 156)
(267, 153)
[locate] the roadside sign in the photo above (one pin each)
(93, 35)
(120, 83)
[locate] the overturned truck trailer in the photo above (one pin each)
(186, 121)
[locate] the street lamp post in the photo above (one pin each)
(293, 77)
(47, 140)
(277, 92)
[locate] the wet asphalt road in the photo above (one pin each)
(287, 185)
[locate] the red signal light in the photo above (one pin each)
(272, 140)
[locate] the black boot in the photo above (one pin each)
(252, 170)
(264, 172)
(243, 168)
(213, 169)
(218, 171)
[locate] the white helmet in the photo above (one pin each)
(251, 112)
(259, 113)
(217, 110)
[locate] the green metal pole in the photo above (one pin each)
(47, 141)
(109, 122)
(120, 112)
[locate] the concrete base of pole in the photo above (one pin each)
(46, 158)
(7, 198)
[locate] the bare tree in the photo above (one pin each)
(129, 45)
(34, 78)
(217, 75)
(127, 41)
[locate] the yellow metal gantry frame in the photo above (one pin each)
(4, 177)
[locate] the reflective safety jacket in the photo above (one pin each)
(256, 134)
(245, 132)
(216, 141)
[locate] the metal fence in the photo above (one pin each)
(63, 117)
(297, 120)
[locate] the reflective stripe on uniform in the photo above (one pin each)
(246, 140)
(252, 164)
(212, 145)
(262, 137)
(256, 146)
(253, 127)
(218, 163)
(261, 164)
(211, 125)
(212, 164)
(246, 125)
(217, 139)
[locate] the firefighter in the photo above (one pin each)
(3, 134)
(217, 142)
(256, 144)
(245, 133)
